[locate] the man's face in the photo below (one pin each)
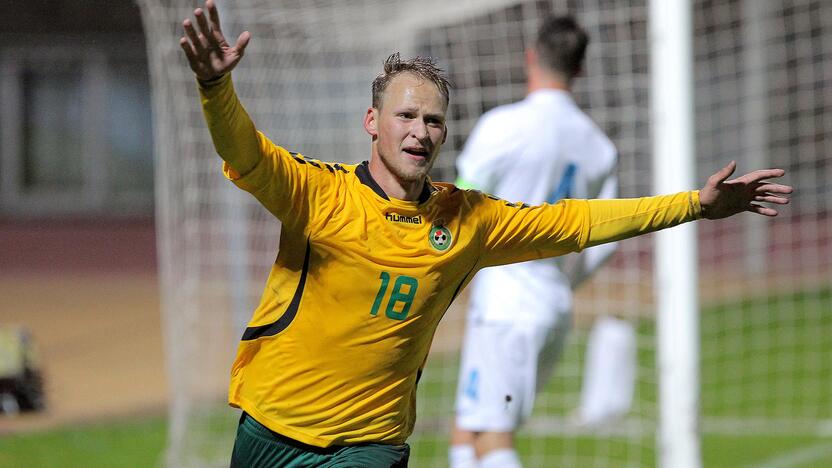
(409, 126)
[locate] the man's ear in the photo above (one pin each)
(444, 135)
(371, 121)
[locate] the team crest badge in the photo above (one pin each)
(440, 238)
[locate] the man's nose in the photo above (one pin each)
(419, 129)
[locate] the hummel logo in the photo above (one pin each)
(397, 218)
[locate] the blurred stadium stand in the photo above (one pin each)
(78, 256)
(75, 124)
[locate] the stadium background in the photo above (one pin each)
(78, 256)
(78, 264)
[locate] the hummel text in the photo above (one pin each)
(397, 218)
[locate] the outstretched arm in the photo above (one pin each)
(721, 198)
(579, 267)
(252, 161)
(209, 54)
(211, 58)
(516, 233)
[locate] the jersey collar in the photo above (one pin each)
(548, 94)
(362, 171)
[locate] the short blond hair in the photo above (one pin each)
(423, 67)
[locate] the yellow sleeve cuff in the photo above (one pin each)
(695, 204)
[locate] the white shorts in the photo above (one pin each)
(503, 366)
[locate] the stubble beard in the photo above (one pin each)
(399, 169)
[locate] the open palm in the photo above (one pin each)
(209, 54)
(721, 197)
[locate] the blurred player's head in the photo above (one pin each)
(560, 47)
(407, 118)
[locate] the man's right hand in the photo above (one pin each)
(209, 54)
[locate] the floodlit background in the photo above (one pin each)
(78, 263)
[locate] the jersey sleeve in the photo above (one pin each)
(517, 233)
(277, 178)
(587, 262)
(619, 219)
(485, 155)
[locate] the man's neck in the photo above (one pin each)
(392, 185)
(539, 80)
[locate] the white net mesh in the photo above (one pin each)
(762, 97)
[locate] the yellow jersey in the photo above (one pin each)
(333, 352)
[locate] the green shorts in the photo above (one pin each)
(257, 446)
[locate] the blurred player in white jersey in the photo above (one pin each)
(538, 150)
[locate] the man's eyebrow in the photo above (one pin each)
(415, 109)
(407, 109)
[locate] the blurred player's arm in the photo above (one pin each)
(488, 150)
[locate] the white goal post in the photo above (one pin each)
(676, 284)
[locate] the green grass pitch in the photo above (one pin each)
(803, 360)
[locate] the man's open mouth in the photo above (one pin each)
(419, 152)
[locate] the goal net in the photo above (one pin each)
(762, 97)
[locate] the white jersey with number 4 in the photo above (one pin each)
(539, 150)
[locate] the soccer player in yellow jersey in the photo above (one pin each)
(371, 256)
